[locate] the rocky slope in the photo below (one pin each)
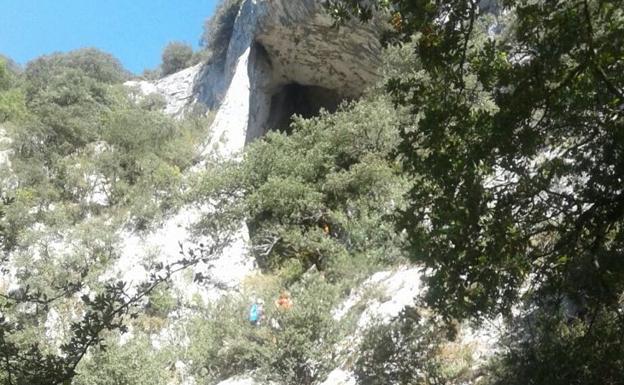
(284, 57)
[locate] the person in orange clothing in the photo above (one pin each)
(284, 302)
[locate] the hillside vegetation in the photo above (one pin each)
(490, 154)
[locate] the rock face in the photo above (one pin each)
(177, 89)
(285, 57)
(295, 61)
(5, 151)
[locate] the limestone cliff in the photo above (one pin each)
(285, 57)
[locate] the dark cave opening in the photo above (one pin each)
(296, 99)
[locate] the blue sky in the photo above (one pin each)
(134, 31)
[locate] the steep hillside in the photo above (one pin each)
(306, 205)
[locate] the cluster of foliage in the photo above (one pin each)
(81, 144)
(86, 156)
(334, 204)
(410, 350)
(549, 347)
(11, 101)
(30, 356)
(520, 138)
(517, 141)
(134, 363)
(294, 346)
(175, 57)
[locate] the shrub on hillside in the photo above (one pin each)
(12, 105)
(100, 66)
(5, 76)
(337, 201)
(295, 346)
(410, 350)
(133, 363)
(548, 348)
(175, 57)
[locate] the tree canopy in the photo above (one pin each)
(175, 57)
(517, 139)
(82, 149)
(517, 144)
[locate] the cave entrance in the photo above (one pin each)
(296, 99)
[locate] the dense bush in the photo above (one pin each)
(516, 138)
(86, 156)
(412, 350)
(5, 75)
(133, 363)
(336, 201)
(93, 63)
(76, 134)
(175, 57)
(295, 346)
(548, 347)
(12, 99)
(67, 96)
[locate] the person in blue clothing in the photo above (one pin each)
(256, 312)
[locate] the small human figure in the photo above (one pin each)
(256, 312)
(284, 301)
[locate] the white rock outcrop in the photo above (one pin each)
(340, 376)
(396, 290)
(5, 154)
(177, 89)
(238, 381)
(284, 57)
(280, 51)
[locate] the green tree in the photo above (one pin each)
(77, 127)
(67, 94)
(4, 201)
(410, 350)
(295, 346)
(94, 63)
(27, 358)
(547, 347)
(12, 101)
(517, 144)
(518, 140)
(134, 363)
(175, 57)
(335, 203)
(5, 76)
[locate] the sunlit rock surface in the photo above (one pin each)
(177, 89)
(285, 57)
(4, 149)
